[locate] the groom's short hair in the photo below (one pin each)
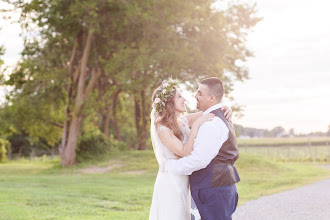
(215, 87)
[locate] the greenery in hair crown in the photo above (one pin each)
(167, 90)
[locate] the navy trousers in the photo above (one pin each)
(217, 203)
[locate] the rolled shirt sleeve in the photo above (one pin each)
(211, 135)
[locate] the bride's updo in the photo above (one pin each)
(167, 116)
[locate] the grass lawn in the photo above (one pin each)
(40, 189)
(285, 141)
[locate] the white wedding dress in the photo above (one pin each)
(171, 198)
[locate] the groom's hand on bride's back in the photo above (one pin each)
(227, 112)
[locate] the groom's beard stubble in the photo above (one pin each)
(198, 106)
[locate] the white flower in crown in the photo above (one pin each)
(167, 90)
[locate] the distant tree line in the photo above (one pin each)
(275, 132)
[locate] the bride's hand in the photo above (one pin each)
(228, 112)
(202, 119)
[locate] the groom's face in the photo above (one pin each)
(203, 98)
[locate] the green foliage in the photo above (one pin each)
(4, 145)
(3, 152)
(22, 145)
(34, 117)
(92, 144)
(136, 45)
(126, 121)
(2, 52)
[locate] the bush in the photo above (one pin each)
(91, 146)
(4, 145)
(23, 145)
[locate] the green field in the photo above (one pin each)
(40, 189)
(291, 153)
(288, 149)
(296, 141)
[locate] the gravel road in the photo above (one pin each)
(307, 202)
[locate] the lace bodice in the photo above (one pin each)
(167, 154)
(184, 125)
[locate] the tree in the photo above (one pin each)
(291, 132)
(90, 58)
(4, 145)
(69, 30)
(186, 45)
(277, 131)
(2, 51)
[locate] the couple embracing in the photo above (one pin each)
(196, 154)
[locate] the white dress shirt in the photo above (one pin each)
(210, 137)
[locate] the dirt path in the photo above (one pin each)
(95, 169)
(307, 202)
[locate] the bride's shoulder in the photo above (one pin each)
(161, 127)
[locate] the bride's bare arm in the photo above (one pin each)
(194, 116)
(175, 145)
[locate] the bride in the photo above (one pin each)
(172, 138)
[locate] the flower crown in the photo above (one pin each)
(167, 90)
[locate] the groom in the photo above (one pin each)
(211, 164)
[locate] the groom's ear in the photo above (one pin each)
(213, 98)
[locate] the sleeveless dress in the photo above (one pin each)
(171, 197)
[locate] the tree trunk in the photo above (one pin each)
(69, 89)
(144, 130)
(137, 120)
(107, 122)
(99, 112)
(112, 115)
(72, 126)
(139, 124)
(68, 156)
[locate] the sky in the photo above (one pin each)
(289, 83)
